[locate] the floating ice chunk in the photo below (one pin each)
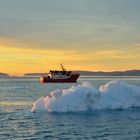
(115, 94)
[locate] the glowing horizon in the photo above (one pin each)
(20, 60)
(83, 35)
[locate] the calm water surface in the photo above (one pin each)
(17, 122)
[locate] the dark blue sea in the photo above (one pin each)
(17, 122)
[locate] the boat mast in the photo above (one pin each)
(62, 67)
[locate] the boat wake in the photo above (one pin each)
(115, 94)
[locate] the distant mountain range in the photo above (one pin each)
(99, 73)
(89, 73)
(4, 74)
(114, 73)
(33, 74)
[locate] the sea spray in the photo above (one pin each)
(115, 94)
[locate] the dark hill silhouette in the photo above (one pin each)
(33, 74)
(99, 73)
(3, 74)
(114, 73)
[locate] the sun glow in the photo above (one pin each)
(19, 58)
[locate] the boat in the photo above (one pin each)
(60, 76)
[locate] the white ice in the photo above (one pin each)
(115, 94)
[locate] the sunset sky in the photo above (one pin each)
(93, 35)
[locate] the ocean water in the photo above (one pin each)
(101, 108)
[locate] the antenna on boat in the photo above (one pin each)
(62, 67)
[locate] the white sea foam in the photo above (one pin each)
(115, 94)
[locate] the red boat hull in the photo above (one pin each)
(72, 79)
